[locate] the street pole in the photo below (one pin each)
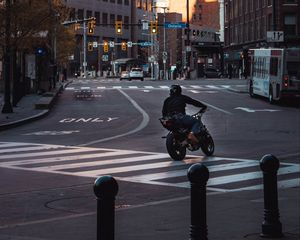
(7, 107)
(84, 49)
(164, 60)
(188, 37)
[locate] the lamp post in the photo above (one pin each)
(188, 44)
(164, 40)
(7, 107)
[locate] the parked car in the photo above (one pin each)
(124, 75)
(136, 73)
(212, 72)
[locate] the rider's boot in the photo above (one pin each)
(191, 136)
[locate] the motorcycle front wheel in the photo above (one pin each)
(175, 151)
(208, 146)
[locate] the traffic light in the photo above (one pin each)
(124, 46)
(118, 27)
(105, 47)
(153, 27)
(76, 26)
(91, 26)
(90, 47)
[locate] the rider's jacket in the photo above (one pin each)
(177, 103)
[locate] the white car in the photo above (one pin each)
(124, 75)
(136, 73)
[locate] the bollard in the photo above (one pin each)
(106, 189)
(198, 175)
(271, 226)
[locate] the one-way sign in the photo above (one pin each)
(275, 36)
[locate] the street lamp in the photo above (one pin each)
(164, 46)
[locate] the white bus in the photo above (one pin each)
(275, 73)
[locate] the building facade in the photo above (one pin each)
(106, 12)
(248, 21)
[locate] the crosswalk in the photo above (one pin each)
(192, 88)
(226, 174)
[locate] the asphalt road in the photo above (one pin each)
(49, 169)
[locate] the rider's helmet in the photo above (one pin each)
(175, 90)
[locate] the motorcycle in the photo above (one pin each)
(177, 139)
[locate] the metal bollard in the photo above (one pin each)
(198, 175)
(106, 189)
(271, 226)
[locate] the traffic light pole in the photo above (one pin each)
(84, 50)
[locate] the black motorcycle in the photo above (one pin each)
(177, 141)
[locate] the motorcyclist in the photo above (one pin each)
(174, 107)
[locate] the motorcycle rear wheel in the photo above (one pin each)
(175, 151)
(208, 146)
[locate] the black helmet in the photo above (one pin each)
(175, 90)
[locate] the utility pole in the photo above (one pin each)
(84, 64)
(7, 107)
(164, 55)
(188, 45)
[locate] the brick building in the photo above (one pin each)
(247, 23)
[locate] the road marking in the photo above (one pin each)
(140, 167)
(142, 125)
(256, 110)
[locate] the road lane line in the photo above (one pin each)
(216, 108)
(142, 125)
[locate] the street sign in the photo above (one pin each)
(111, 44)
(188, 48)
(145, 26)
(105, 58)
(275, 36)
(95, 44)
(129, 44)
(175, 25)
(146, 44)
(84, 64)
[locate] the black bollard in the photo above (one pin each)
(198, 175)
(106, 189)
(271, 226)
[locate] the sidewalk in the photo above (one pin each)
(29, 108)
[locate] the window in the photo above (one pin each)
(72, 14)
(139, 4)
(89, 14)
(97, 16)
(80, 14)
(119, 17)
(290, 24)
(119, 2)
(274, 66)
(112, 20)
(112, 1)
(126, 22)
(126, 2)
(104, 19)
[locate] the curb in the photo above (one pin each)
(37, 116)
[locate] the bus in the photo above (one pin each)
(275, 73)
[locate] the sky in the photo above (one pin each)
(177, 6)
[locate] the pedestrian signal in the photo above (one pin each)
(90, 46)
(118, 27)
(105, 47)
(153, 27)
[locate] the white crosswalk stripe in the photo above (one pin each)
(226, 174)
(159, 87)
